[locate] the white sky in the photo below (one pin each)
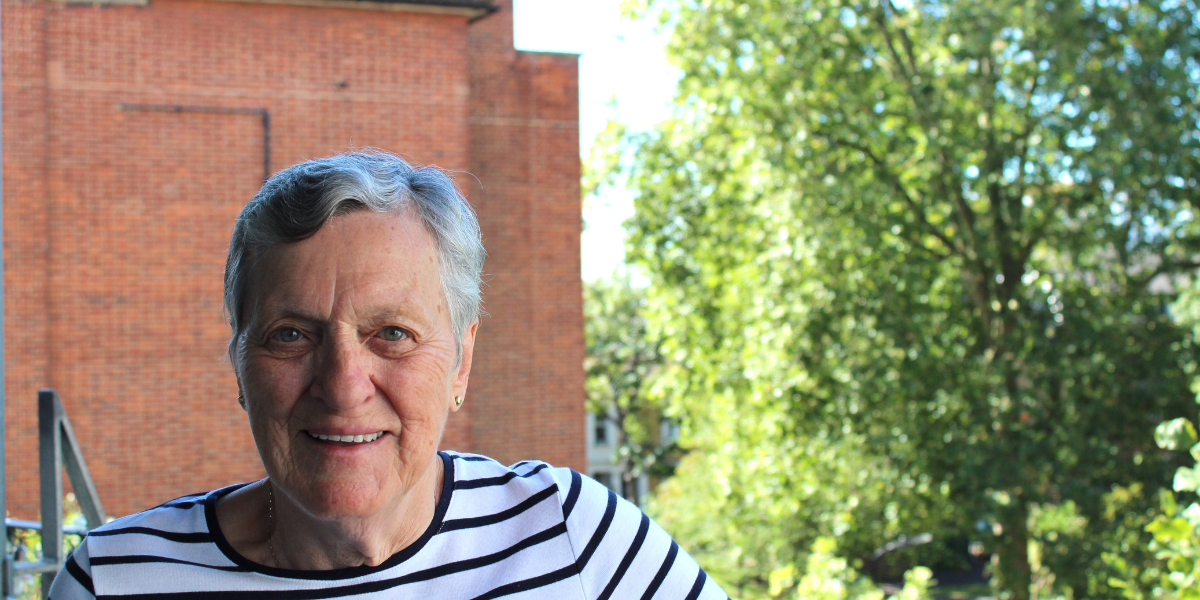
(619, 60)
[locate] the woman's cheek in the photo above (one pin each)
(282, 382)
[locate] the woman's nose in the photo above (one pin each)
(343, 378)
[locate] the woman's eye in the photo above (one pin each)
(392, 334)
(288, 334)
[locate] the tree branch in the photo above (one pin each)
(908, 46)
(891, 179)
(1022, 141)
(965, 215)
(1167, 267)
(881, 20)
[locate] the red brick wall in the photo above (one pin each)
(116, 220)
(524, 139)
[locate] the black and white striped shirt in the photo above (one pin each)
(529, 531)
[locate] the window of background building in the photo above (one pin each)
(600, 429)
(669, 431)
(605, 478)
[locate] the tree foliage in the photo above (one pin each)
(1175, 545)
(931, 243)
(1175, 529)
(622, 363)
(829, 577)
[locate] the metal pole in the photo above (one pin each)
(57, 447)
(77, 471)
(50, 416)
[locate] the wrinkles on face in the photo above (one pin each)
(349, 333)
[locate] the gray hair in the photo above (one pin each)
(297, 202)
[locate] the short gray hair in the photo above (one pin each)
(297, 202)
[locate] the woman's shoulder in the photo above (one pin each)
(618, 552)
(485, 476)
(164, 514)
(182, 520)
(475, 471)
(142, 543)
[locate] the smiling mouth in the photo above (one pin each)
(347, 439)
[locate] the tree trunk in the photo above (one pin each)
(1011, 569)
(628, 483)
(629, 486)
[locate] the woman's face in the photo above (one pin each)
(348, 334)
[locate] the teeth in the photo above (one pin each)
(356, 439)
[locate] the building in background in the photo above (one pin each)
(135, 130)
(606, 465)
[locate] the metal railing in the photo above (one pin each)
(57, 448)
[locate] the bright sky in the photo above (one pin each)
(619, 60)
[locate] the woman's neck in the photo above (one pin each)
(269, 528)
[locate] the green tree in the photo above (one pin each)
(622, 361)
(944, 231)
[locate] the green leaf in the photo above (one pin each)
(1186, 479)
(1175, 434)
(1167, 530)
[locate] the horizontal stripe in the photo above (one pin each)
(529, 584)
(182, 505)
(472, 522)
(471, 484)
(483, 561)
(135, 559)
(476, 459)
(174, 536)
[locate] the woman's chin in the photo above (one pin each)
(338, 483)
(345, 498)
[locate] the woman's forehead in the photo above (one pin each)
(362, 262)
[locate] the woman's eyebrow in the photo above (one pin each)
(268, 315)
(384, 314)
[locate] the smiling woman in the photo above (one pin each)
(352, 288)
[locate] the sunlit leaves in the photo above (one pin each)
(623, 360)
(1175, 434)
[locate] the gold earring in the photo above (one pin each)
(242, 400)
(458, 400)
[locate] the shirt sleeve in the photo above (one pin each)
(74, 581)
(622, 553)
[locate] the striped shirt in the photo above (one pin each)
(529, 531)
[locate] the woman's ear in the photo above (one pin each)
(241, 396)
(464, 364)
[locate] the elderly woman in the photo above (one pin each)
(352, 288)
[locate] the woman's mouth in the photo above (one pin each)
(347, 439)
